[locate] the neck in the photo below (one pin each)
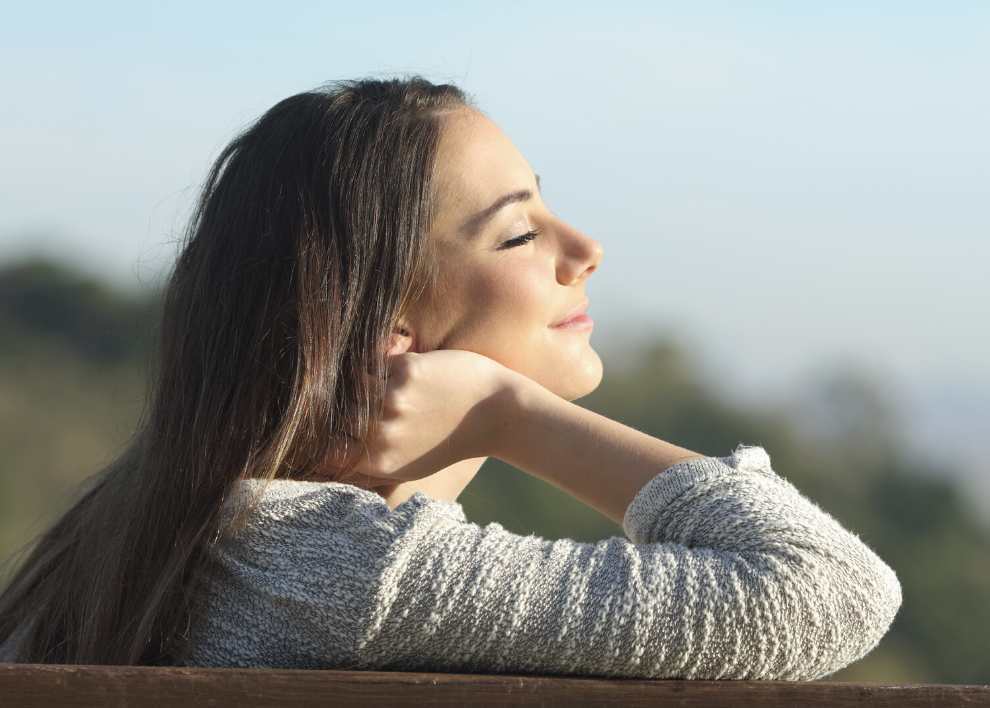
(447, 484)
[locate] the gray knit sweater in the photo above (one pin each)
(728, 572)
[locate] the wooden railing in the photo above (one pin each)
(26, 685)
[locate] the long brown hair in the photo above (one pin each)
(307, 243)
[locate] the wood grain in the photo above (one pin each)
(30, 685)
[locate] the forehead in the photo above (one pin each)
(476, 164)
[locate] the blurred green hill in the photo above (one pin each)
(74, 354)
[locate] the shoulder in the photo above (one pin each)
(300, 569)
(282, 510)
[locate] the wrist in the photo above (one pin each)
(509, 407)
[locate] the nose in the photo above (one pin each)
(580, 258)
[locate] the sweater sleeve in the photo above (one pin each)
(727, 572)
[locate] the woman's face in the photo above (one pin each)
(500, 299)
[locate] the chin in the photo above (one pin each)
(567, 377)
(581, 382)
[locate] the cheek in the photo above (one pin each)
(514, 295)
(504, 311)
(509, 308)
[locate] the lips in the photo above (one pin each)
(576, 312)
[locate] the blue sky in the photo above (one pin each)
(788, 186)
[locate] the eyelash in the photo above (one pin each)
(520, 240)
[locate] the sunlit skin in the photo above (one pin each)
(499, 302)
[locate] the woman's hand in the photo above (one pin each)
(440, 407)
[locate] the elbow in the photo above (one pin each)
(859, 606)
(877, 599)
(888, 600)
(797, 619)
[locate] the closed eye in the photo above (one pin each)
(520, 240)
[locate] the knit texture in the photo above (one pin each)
(727, 572)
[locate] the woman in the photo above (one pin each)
(367, 307)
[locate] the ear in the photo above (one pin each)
(399, 342)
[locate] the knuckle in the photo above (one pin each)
(379, 464)
(399, 402)
(390, 406)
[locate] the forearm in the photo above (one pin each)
(595, 459)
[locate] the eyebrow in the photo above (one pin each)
(473, 225)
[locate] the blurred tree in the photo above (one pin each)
(41, 301)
